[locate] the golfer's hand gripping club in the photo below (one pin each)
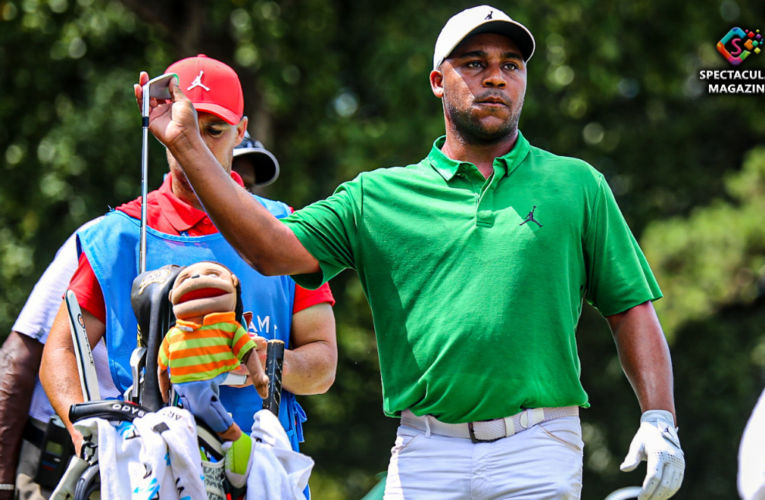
(657, 443)
(173, 122)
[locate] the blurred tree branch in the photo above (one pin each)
(186, 23)
(182, 19)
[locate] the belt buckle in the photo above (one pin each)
(475, 440)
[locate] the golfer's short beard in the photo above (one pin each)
(472, 131)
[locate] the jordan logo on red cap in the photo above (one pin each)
(198, 82)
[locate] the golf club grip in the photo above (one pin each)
(274, 362)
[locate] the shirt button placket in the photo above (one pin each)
(484, 205)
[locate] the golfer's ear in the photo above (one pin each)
(437, 83)
(241, 129)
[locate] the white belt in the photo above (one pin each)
(487, 430)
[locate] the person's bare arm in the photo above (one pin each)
(263, 242)
(310, 366)
(644, 356)
(19, 363)
(58, 373)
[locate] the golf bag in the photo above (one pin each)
(154, 314)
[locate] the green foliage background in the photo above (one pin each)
(336, 87)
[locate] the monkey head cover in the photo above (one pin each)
(206, 343)
(204, 288)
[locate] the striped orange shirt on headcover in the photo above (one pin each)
(195, 352)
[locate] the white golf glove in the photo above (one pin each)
(657, 443)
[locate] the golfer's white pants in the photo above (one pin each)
(543, 462)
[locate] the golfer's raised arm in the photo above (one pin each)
(264, 242)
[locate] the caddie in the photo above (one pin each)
(180, 233)
(475, 262)
(22, 435)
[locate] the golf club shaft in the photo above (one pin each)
(144, 193)
(144, 177)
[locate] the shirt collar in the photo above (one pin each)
(187, 326)
(180, 214)
(448, 167)
(225, 317)
(210, 319)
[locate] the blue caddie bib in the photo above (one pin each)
(111, 247)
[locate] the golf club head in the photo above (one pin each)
(625, 493)
(157, 88)
(137, 363)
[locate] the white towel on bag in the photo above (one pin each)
(278, 472)
(183, 457)
(155, 454)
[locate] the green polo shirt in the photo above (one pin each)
(476, 285)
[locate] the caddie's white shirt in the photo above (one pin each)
(36, 320)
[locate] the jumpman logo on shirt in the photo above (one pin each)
(530, 218)
(198, 82)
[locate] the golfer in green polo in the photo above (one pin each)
(475, 262)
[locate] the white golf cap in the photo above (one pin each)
(482, 19)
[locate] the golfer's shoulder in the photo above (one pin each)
(565, 168)
(386, 178)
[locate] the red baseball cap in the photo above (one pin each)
(211, 85)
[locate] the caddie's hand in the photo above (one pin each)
(76, 440)
(657, 443)
(174, 121)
